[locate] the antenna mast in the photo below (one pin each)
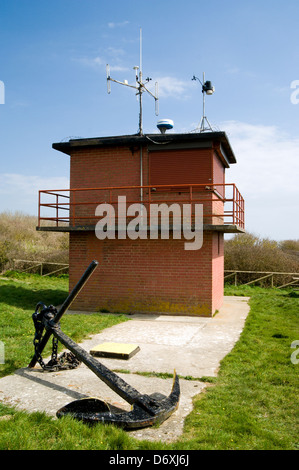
(208, 89)
(139, 86)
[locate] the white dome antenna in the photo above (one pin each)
(164, 125)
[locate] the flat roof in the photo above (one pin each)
(147, 139)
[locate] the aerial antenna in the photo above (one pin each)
(139, 86)
(208, 89)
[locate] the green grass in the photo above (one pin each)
(254, 403)
(251, 404)
(19, 294)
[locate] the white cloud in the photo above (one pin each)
(233, 70)
(118, 68)
(99, 62)
(268, 160)
(112, 25)
(116, 52)
(266, 173)
(172, 87)
(91, 62)
(27, 185)
(20, 192)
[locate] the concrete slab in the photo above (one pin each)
(115, 350)
(193, 346)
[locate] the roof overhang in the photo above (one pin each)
(167, 140)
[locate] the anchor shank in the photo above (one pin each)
(75, 291)
(116, 383)
(66, 304)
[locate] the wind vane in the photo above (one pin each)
(139, 86)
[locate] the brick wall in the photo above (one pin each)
(147, 275)
(101, 167)
(217, 270)
(139, 275)
(120, 166)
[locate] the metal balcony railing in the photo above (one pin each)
(222, 203)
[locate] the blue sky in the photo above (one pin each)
(52, 64)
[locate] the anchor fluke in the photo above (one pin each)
(92, 410)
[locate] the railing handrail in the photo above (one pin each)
(176, 185)
(237, 211)
(260, 272)
(269, 275)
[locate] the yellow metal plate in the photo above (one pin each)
(115, 350)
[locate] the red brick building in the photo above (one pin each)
(144, 274)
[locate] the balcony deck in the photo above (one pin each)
(66, 210)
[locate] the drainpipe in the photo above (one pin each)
(141, 175)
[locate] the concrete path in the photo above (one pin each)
(193, 346)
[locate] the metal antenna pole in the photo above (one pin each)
(140, 103)
(139, 86)
(202, 127)
(206, 86)
(140, 83)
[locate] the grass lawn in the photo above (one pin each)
(252, 404)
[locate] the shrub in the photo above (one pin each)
(19, 239)
(248, 252)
